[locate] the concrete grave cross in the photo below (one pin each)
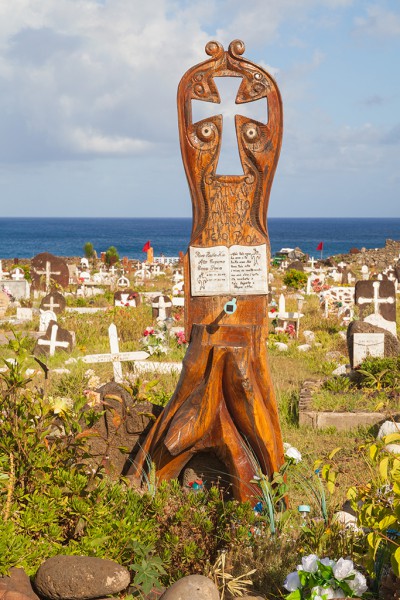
(256, 110)
(53, 342)
(17, 274)
(123, 282)
(160, 306)
(115, 356)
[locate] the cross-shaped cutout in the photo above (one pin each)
(229, 159)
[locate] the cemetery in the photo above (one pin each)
(215, 425)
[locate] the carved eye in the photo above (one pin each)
(250, 132)
(205, 132)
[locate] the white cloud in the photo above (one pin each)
(379, 22)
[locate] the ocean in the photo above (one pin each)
(25, 237)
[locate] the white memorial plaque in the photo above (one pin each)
(367, 344)
(238, 270)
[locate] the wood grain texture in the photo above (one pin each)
(224, 402)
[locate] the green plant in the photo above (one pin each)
(295, 279)
(148, 568)
(88, 250)
(337, 384)
(378, 504)
(380, 373)
(112, 256)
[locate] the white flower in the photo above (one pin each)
(326, 593)
(359, 584)
(292, 582)
(309, 564)
(343, 569)
(292, 452)
(328, 562)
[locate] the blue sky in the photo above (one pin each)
(88, 122)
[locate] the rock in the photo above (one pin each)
(281, 346)
(341, 370)
(309, 336)
(296, 265)
(387, 428)
(80, 577)
(17, 586)
(124, 424)
(304, 347)
(347, 521)
(192, 587)
(392, 344)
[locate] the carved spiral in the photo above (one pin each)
(236, 48)
(214, 49)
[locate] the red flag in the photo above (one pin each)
(146, 246)
(320, 246)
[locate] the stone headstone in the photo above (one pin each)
(391, 343)
(297, 265)
(377, 303)
(55, 338)
(4, 303)
(17, 274)
(123, 424)
(126, 298)
(24, 314)
(123, 282)
(367, 344)
(54, 302)
(47, 269)
(84, 263)
(162, 307)
(348, 277)
(45, 317)
(84, 276)
(365, 272)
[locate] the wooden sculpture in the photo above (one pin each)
(224, 402)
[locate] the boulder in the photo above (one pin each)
(17, 586)
(296, 265)
(392, 344)
(80, 578)
(121, 429)
(304, 347)
(192, 587)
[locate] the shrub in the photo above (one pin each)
(295, 279)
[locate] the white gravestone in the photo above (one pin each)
(123, 282)
(24, 314)
(45, 317)
(17, 274)
(238, 270)
(115, 356)
(365, 272)
(367, 344)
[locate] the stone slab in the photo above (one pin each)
(342, 421)
(367, 344)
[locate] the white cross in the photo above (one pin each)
(51, 304)
(312, 261)
(17, 275)
(48, 272)
(162, 306)
(52, 342)
(342, 265)
(376, 300)
(115, 355)
(229, 108)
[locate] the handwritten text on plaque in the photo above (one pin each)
(238, 270)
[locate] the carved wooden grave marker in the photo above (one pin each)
(224, 403)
